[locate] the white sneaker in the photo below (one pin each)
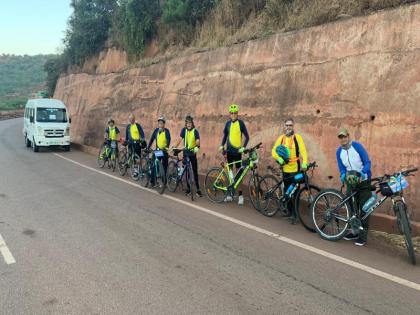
(241, 200)
(228, 198)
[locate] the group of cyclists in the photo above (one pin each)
(289, 151)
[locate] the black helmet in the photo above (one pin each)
(189, 118)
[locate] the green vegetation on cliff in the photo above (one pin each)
(19, 77)
(177, 24)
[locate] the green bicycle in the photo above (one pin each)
(221, 183)
(108, 154)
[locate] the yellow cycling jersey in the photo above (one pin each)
(289, 142)
(161, 141)
(235, 134)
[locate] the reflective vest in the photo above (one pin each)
(134, 132)
(112, 133)
(161, 141)
(189, 139)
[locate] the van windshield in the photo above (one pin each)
(51, 115)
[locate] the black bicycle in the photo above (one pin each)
(333, 213)
(179, 170)
(128, 159)
(151, 171)
(272, 199)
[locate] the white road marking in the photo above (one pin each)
(4, 250)
(279, 237)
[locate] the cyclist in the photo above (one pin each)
(191, 138)
(111, 134)
(236, 138)
(289, 151)
(134, 135)
(355, 170)
(162, 136)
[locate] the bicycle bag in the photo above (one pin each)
(394, 185)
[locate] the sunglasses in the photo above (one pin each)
(289, 125)
(342, 136)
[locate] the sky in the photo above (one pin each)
(33, 26)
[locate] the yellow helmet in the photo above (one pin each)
(233, 108)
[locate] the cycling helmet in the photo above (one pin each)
(233, 108)
(161, 118)
(283, 152)
(353, 178)
(189, 118)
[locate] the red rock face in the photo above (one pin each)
(363, 73)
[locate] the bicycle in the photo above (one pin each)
(179, 169)
(129, 159)
(152, 170)
(271, 198)
(333, 212)
(108, 154)
(221, 183)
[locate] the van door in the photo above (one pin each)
(31, 124)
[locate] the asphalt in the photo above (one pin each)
(86, 243)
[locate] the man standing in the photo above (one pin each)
(134, 135)
(236, 138)
(162, 136)
(355, 170)
(288, 150)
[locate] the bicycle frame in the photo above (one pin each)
(233, 183)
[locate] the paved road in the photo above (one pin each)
(85, 243)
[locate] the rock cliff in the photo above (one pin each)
(362, 72)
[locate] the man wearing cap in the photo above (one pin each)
(162, 136)
(297, 159)
(235, 139)
(134, 135)
(352, 159)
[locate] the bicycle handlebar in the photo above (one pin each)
(256, 147)
(387, 176)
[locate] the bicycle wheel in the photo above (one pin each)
(330, 225)
(122, 162)
(268, 200)
(172, 177)
(135, 167)
(254, 189)
(303, 201)
(113, 160)
(146, 166)
(160, 178)
(190, 181)
(216, 184)
(406, 229)
(101, 156)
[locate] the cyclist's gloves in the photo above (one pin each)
(343, 178)
(196, 149)
(221, 148)
(241, 150)
(364, 176)
(280, 161)
(304, 167)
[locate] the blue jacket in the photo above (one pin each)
(355, 158)
(244, 131)
(128, 134)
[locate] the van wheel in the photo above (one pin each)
(27, 142)
(35, 148)
(67, 148)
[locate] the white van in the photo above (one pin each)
(46, 123)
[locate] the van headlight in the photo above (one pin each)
(68, 131)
